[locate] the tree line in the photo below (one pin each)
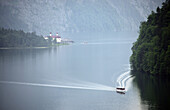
(18, 38)
(151, 51)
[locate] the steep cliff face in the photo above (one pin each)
(75, 15)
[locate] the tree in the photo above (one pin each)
(151, 51)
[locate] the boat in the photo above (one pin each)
(120, 90)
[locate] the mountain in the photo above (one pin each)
(44, 16)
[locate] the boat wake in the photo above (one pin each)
(123, 81)
(87, 86)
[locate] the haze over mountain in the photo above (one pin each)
(44, 16)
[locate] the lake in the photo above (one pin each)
(80, 76)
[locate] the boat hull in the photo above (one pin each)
(120, 90)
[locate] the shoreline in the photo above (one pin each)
(6, 48)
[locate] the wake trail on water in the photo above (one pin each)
(85, 87)
(125, 79)
(120, 78)
(82, 84)
(128, 83)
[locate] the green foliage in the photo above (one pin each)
(151, 51)
(13, 38)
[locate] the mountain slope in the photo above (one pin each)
(74, 15)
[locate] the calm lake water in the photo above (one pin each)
(80, 76)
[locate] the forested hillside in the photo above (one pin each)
(14, 38)
(151, 51)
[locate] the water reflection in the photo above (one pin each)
(154, 91)
(21, 64)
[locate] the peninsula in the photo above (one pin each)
(19, 39)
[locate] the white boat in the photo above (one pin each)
(120, 90)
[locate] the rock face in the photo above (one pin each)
(44, 16)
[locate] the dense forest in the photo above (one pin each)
(151, 51)
(14, 38)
